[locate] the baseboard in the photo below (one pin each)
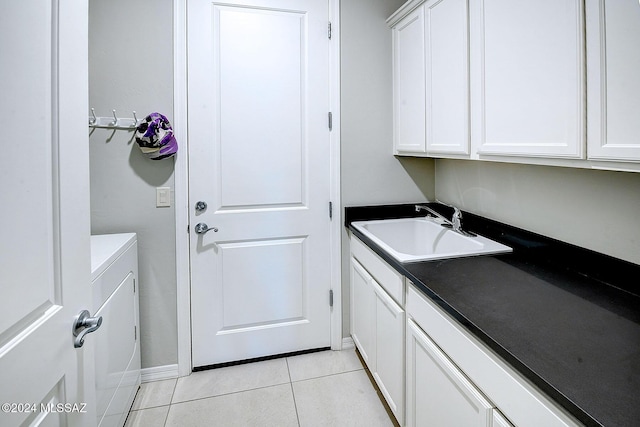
(158, 373)
(347, 343)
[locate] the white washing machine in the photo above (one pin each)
(114, 281)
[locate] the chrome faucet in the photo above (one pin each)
(454, 223)
(455, 219)
(434, 213)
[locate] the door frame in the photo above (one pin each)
(181, 176)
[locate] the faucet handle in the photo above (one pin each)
(456, 217)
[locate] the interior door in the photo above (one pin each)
(44, 254)
(258, 102)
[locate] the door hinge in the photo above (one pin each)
(330, 297)
(135, 333)
(187, 228)
(330, 210)
(330, 121)
(134, 286)
(329, 31)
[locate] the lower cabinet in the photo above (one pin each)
(389, 336)
(453, 379)
(438, 393)
(429, 368)
(363, 313)
(377, 328)
(499, 420)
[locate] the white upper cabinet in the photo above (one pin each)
(613, 79)
(447, 33)
(409, 84)
(527, 84)
(551, 82)
(431, 78)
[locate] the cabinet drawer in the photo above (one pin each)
(387, 277)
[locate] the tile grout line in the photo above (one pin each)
(286, 360)
(293, 394)
(228, 394)
(140, 392)
(328, 375)
(173, 392)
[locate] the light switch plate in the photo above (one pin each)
(163, 197)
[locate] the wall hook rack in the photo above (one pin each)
(113, 122)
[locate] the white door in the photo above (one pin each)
(258, 103)
(45, 263)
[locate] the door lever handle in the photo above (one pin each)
(202, 228)
(84, 324)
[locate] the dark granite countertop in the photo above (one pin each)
(566, 318)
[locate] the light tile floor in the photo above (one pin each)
(328, 388)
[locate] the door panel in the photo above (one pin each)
(270, 292)
(259, 156)
(21, 304)
(261, 144)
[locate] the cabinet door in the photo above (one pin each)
(498, 420)
(447, 66)
(527, 87)
(389, 373)
(613, 32)
(438, 393)
(363, 305)
(409, 83)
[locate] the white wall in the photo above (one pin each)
(370, 173)
(598, 210)
(130, 68)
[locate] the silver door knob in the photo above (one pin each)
(84, 324)
(201, 206)
(202, 228)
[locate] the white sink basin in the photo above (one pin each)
(422, 239)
